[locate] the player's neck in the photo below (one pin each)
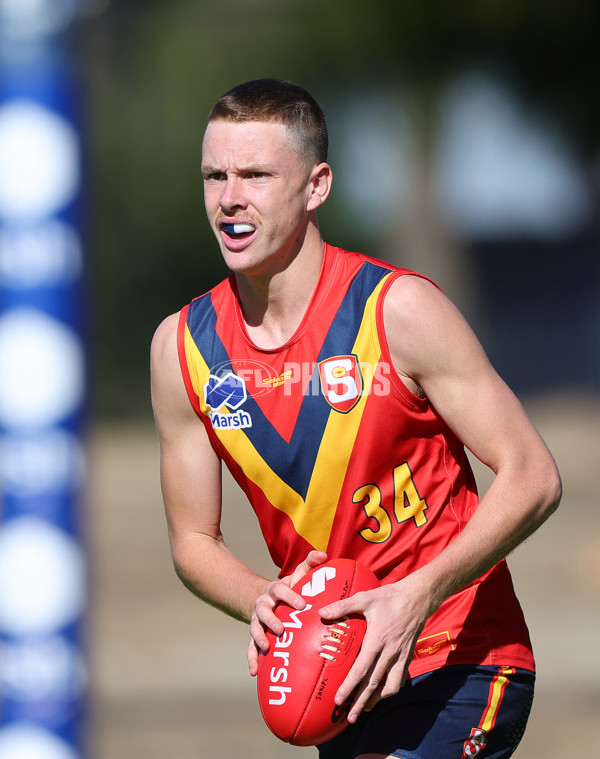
(273, 306)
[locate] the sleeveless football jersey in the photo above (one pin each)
(335, 453)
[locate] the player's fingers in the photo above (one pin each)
(385, 681)
(358, 678)
(252, 654)
(264, 610)
(395, 679)
(390, 685)
(313, 560)
(356, 604)
(257, 633)
(336, 610)
(368, 692)
(280, 592)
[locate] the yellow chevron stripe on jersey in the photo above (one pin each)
(313, 516)
(238, 444)
(329, 472)
(196, 366)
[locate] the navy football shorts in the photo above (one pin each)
(457, 712)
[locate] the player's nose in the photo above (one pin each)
(232, 196)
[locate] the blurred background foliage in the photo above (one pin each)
(387, 74)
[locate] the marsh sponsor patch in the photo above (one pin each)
(224, 395)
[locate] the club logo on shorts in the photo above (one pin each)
(227, 392)
(341, 381)
(475, 743)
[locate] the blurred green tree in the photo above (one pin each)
(154, 68)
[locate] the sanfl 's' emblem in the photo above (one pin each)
(341, 381)
(475, 743)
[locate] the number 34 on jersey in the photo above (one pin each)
(407, 504)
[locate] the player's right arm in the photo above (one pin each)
(190, 474)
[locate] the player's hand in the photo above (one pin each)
(263, 616)
(313, 560)
(395, 615)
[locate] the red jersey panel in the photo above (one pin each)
(335, 453)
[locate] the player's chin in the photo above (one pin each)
(240, 262)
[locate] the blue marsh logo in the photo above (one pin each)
(228, 393)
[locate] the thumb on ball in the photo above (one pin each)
(338, 609)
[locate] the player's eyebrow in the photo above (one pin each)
(249, 168)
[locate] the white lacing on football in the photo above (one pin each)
(334, 635)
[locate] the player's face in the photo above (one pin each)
(257, 193)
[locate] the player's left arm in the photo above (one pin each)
(435, 350)
(440, 352)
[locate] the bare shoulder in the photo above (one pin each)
(411, 299)
(164, 341)
(432, 345)
(426, 332)
(169, 396)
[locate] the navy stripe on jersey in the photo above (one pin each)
(339, 339)
(293, 462)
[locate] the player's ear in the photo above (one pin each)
(319, 185)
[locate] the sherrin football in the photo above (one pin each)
(304, 667)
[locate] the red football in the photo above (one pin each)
(301, 672)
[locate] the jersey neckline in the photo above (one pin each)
(325, 282)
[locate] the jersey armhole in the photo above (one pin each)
(183, 363)
(396, 380)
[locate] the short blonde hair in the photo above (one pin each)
(278, 101)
